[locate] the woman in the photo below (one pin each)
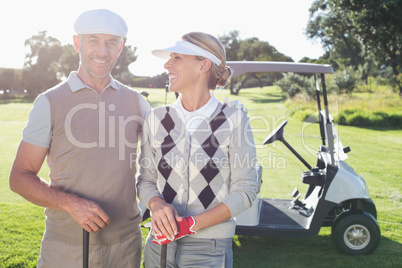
(196, 161)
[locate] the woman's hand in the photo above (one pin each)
(164, 218)
(185, 229)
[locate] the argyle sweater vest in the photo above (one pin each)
(195, 173)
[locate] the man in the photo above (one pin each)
(88, 128)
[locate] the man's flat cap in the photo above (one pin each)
(100, 21)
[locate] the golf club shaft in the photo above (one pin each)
(163, 256)
(85, 242)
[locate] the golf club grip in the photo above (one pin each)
(163, 256)
(85, 243)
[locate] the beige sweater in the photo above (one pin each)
(92, 154)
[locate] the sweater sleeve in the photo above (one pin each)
(147, 176)
(242, 159)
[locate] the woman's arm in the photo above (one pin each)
(216, 215)
(163, 215)
(243, 178)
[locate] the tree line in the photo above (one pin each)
(48, 62)
(361, 38)
(364, 35)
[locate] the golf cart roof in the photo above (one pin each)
(242, 67)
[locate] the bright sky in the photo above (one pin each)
(154, 24)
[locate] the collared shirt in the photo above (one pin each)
(75, 83)
(192, 120)
(38, 129)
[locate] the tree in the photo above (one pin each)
(251, 49)
(346, 78)
(38, 46)
(292, 84)
(69, 61)
(363, 28)
(120, 70)
(47, 62)
(330, 23)
(41, 63)
(379, 25)
(7, 79)
(232, 45)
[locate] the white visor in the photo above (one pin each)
(186, 48)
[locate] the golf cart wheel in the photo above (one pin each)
(356, 234)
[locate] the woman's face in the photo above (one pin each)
(184, 72)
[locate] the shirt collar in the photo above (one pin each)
(76, 83)
(192, 120)
(207, 110)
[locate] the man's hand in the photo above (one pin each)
(185, 228)
(88, 214)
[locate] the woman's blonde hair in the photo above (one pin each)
(219, 75)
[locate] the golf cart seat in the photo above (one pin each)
(314, 177)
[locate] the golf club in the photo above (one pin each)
(163, 256)
(85, 242)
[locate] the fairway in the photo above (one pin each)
(375, 155)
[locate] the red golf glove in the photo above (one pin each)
(184, 229)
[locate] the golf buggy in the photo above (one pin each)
(336, 195)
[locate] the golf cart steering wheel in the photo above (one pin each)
(276, 134)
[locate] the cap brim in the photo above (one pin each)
(186, 48)
(165, 53)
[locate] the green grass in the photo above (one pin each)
(375, 155)
(381, 108)
(20, 235)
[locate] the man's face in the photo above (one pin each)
(98, 54)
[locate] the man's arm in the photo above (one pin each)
(24, 180)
